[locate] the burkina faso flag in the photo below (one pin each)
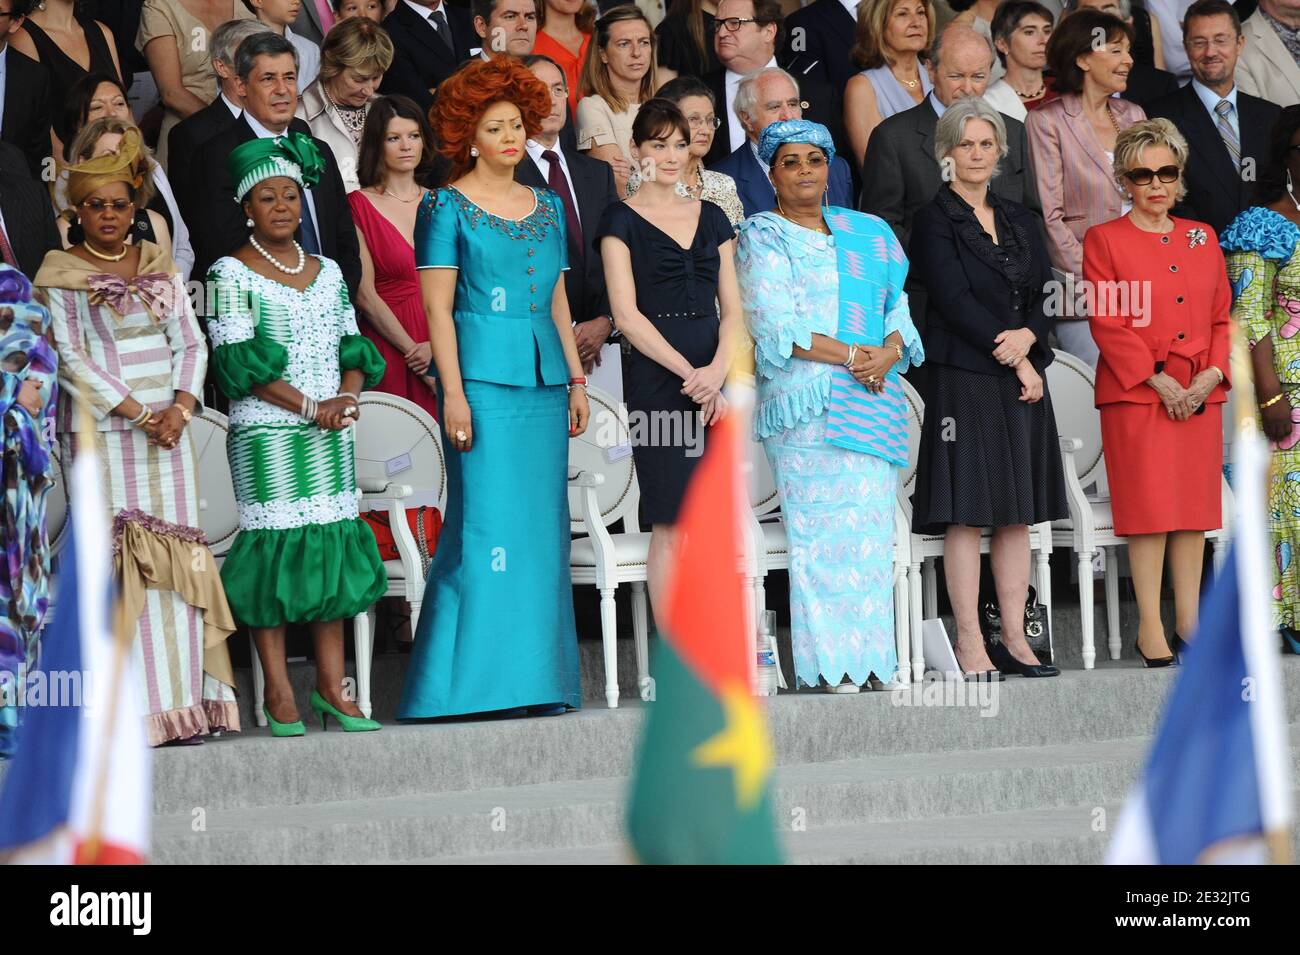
(702, 790)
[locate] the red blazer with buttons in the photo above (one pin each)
(1159, 302)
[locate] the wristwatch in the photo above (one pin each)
(186, 414)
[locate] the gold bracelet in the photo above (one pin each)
(186, 414)
(898, 348)
(147, 419)
(1272, 401)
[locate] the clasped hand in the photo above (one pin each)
(871, 365)
(1181, 403)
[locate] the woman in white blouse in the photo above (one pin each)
(618, 76)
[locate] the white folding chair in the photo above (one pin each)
(602, 492)
(1090, 528)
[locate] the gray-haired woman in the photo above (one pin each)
(989, 450)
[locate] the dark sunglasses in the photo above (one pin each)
(1142, 176)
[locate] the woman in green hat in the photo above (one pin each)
(287, 353)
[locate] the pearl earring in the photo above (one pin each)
(473, 151)
(249, 223)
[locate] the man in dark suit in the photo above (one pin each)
(266, 65)
(430, 42)
(822, 35)
(26, 112)
(764, 97)
(196, 129)
(27, 229)
(1222, 148)
(900, 173)
(586, 186)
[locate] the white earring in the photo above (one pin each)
(473, 151)
(1289, 187)
(249, 223)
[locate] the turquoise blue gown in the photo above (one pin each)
(496, 630)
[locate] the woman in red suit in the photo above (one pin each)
(1160, 318)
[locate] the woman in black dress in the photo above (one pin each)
(672, 290)
(989, 453)
(686, 40)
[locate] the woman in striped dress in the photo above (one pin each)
(287, 353)
(131, 362)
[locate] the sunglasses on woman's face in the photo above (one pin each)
(1142, 176)
(815, 161)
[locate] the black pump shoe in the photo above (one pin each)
(1179, 648)
(1004, 661)
(1150, 663)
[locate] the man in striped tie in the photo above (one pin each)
(1226, 129)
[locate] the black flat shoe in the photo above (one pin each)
(1179, 648)
(1007, 663)
(1154, 663)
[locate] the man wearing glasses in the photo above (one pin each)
(25, 111)
(746, 40)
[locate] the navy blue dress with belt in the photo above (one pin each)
(677, 290)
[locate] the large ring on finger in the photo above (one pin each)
(461, 436)
(350, 411)
(872, 379)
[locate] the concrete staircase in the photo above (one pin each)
(1035, 773)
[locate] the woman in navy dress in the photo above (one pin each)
(669, 269)
(497, 631)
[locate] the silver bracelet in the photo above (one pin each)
(853, 353)
(308, 410)
(142, 416)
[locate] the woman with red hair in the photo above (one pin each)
(497, 632)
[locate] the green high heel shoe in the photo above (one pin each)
(351, 724)
(295, 728)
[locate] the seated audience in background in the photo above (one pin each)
(978, 15)
(395, 157)
(618, 76)
(987, 277)
(1021, 29)
(672, 285)
(26, 403)
(901, 175)
(177, 38)
(431, 39)
(505, 26)
(585, 187)
(1269, 66)
(685, 40)
(695, 182)
(763, 97)
(498, 638)
(1145, 81)
(820, 39)
(109, 117)
(1072, 141)
(266, 65)
(347, 9)
(564, 36)
(1161, 379)
(196, 129)
(356, 54)
(26, 110)
(277, 15)
(1264, 271)
(891, 35)
(27, 229)
(115, 307)
(67, 44)
(1148, 45)
(831, 332)
(287, 353)
(1226, 130)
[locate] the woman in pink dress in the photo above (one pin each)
(395, 156)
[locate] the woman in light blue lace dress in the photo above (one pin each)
(823, 296)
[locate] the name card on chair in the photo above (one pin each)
(618, 452)
(398, 464)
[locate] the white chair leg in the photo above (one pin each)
(1043, 584)
(641, 639)
(415, 614)
(1220, 552)
(902, 629)
(363, 631)
(930, 579)
(1086, 624)
(915, 617)
(609, 639)
(259, 684)
(1112, 602)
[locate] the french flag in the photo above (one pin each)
(79, 789)
(1216, 786)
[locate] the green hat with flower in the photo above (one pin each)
(293, 155)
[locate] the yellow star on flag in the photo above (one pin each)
(743, 744)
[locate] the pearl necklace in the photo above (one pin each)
(302, 257)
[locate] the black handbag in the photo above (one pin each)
(1036, 628)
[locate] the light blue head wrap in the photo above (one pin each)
(794, 131)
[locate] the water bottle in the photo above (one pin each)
(767, 675)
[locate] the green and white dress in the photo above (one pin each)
(302, 554)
